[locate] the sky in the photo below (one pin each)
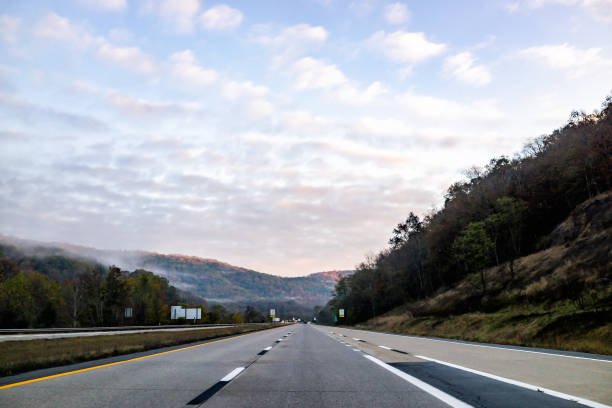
(288, 137)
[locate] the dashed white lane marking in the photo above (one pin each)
(355, 349)
(232, 374)
(557, 394)
(268, 348)
(441, 395)
(385, 347)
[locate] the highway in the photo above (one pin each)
(317, 366)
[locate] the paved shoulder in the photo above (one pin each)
(475, 373)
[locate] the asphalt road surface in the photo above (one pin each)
(317, 366)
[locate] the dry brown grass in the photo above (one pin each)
(560, 297)
(19, 356)
(560, 326)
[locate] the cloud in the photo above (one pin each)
(55, 27)
(233, 90)
(600, 10)
(300, 33)
(397, 13)
(354, 150)
(9, 26)
(186, 69)
(259, 108)
(304, 121)
(221, 17)
(128, 57)
(574, 61)
(142, 107)
(31, 113)
(180, 13)
(106, 5)
(463, 67)
(405, 47)
(343, 148)
(290, 42)
(251, 97)
(431, 107)
(316, 74)
(352, 95)
(386, 127)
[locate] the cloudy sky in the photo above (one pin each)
(284, 136)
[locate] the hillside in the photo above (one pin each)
(47, 287)
(520, 234)
(561, 297)
(213, 280)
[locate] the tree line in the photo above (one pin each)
(56, 290)
(499, 213)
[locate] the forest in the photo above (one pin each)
(46, 288)
(497, 214)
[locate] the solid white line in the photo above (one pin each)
(557, 394)
(500, 347)
(232, 374)
(385, 347)
(268, 348)
(442, 396)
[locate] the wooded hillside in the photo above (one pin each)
(504, 211)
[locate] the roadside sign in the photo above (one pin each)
(341, 312)
(272, 312)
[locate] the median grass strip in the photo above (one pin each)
(26, 355)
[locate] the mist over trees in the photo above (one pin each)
(41, 288)
(502, 212)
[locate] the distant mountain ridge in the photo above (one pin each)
(214, 280)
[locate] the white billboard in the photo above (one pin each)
(177, 312)
(191, 314)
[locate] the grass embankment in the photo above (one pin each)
(559, 298)
(26, 355)
(559, 326)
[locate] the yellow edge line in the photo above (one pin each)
(117, 362)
